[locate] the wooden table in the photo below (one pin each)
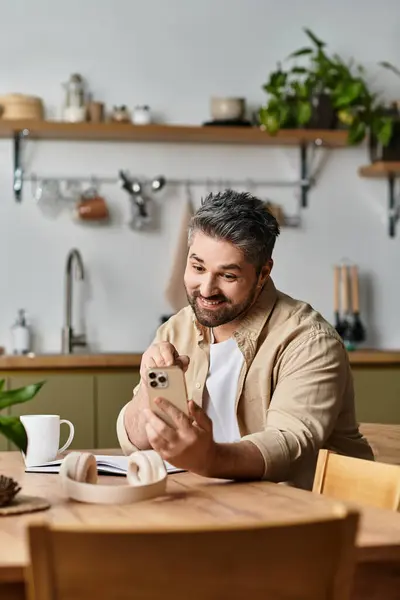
(194, 499)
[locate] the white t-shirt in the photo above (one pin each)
(220, 392)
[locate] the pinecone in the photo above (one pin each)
(8, 490)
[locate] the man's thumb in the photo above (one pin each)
(183, 361)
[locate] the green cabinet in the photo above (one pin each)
(113, 391)
(377, 393)
(91, 400)
(69, 395)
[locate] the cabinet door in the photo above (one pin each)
(69, 395)
(114, 390)
(377, 393)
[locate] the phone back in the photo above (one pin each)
(168, 383)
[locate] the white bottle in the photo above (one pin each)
(21, 334)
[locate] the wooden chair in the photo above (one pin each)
(303, 561)
(356, 480)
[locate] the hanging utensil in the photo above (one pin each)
(358, 333)
(139, 213)
(158, 183)
(346, 333)
(339, 325)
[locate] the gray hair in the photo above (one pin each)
(241, 219)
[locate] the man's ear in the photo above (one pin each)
(265, 272)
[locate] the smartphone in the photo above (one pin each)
(168, 383)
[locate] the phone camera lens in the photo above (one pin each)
(162, 379)
(153, 383)
(152, 375)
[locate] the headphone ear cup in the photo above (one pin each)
(80, 466)
(145, 467)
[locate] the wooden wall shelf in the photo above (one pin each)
(119, 132)
(380, 169)
(20, 130)
(389, 171)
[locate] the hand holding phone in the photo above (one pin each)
(168, 383)
(162, 353)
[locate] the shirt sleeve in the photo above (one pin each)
(125, 443)
(304, 406)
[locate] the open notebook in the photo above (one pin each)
(106, 465)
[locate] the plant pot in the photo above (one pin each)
(323, 113)
(391, 152)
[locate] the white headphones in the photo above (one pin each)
(146, 476)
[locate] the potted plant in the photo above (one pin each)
(389, 151)
(300, 96)
(325, 94)
(12, 428)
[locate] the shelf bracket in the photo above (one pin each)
(393, 208)
(307, 170)
(305, 184)
(18, 170)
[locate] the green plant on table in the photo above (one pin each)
(292, 93)
(11, 427)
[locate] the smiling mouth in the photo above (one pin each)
(208, 303)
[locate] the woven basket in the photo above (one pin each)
(19, 106)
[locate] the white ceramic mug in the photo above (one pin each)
(43, 432)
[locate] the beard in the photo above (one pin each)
(226, 313)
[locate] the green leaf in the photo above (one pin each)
(10, 397)
(278, 79)
(301, 90)
(276, 83)
(299, 70)
(385, 131)
(357, 132)
(12, 429)
(284, 113)
(314, 38)
(388, 65)
(2, 382)
(269, 119)
(301, 52)
(347, 93)
(304, 112)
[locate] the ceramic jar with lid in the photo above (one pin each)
(75, 101)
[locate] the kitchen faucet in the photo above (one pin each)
(69, 340)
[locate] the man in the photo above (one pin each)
(268, 378)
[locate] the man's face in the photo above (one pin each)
(220, 284)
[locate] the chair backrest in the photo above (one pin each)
(307, 561)
(357, 480)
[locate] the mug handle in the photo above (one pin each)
(70, 437)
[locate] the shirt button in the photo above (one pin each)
(198, 385)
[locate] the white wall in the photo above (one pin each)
(174, 55)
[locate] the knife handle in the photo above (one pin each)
(336, 289)
(345, 289)
(355, 295)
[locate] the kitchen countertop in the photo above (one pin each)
(49, 362)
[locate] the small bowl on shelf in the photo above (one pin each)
(227, 109)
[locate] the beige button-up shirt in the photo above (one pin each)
(295, 392)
